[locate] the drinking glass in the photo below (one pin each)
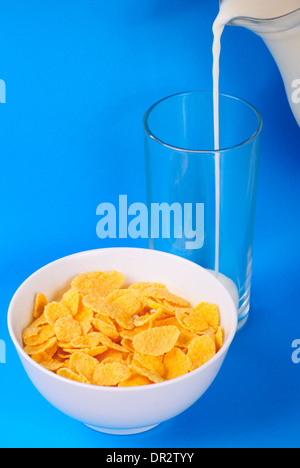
(201, 202)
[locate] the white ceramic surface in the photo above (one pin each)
(123, 410)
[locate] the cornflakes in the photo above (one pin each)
(111, 374)
(152, 363)
(210, 313)
(106, 328)
(66, 329)
(135, 380)
(84, 316)
(201, 350)
(84, 365)
(68, 374)
(71, 299)
(102, 333)
(156, 341)
(39, 306)
(154, 377)
(130, 301)
(37, 336)
(176, 364)
(55, 311)
(98, 283)
(219, 335)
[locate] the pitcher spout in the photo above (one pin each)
(262, 26)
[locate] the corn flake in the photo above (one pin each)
(162, 294)
(142, 370)
(113, 354)
(84, 316)
(156, 341)
(98, 283)
(219, 336)
(152, 363)
(41, 348)
(84, 365)
(68, 374)
(107, 328)
(176, 364)
(33, 336)
(111, 374)
(135, 380)
(39, 306)
(201, 350)
(100, 306)
(210, 313)
(55, 311)
(148, 318)
(72, 300)
(129, 300)
(67, 329)
(195, 322)
(52, 365)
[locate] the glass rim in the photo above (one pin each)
(208, 151)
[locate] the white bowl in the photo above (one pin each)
(123, 410)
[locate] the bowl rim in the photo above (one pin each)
(122, 390)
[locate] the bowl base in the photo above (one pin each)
(121, 431)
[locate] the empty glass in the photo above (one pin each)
(183, 186)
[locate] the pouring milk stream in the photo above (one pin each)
(278, 23)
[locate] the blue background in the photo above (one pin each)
(80, 74)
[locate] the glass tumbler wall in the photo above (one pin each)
(205, 199)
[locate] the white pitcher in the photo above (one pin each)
(282, 36)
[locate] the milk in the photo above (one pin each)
(284, 44)
(218, 31)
